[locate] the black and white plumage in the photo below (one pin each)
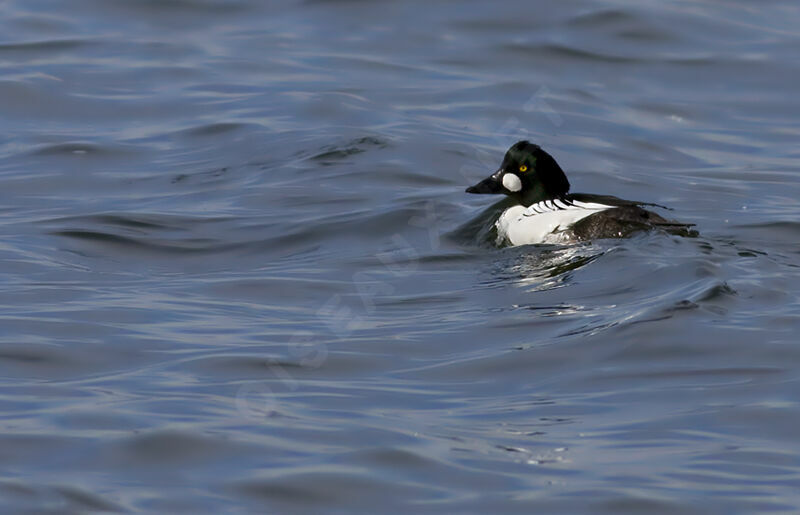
(546, 213)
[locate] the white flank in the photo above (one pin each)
(543, 222)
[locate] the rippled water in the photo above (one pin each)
(240, 273)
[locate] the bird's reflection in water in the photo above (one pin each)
(546, 267)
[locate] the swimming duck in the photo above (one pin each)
(543, 210)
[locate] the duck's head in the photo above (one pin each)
(528, 173)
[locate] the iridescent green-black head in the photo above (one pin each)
(528, 173)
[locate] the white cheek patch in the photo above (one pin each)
(512, 182)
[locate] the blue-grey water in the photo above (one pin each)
(239, 272)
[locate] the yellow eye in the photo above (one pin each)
(523, 168)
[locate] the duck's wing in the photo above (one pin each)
(624, 220)
(609, 200)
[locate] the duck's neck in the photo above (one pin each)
(533, 195)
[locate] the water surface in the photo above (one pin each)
(240, 274)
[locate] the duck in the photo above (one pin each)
(541, 210)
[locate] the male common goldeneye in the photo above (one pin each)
(546, 213)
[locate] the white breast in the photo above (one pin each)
(543, 222)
